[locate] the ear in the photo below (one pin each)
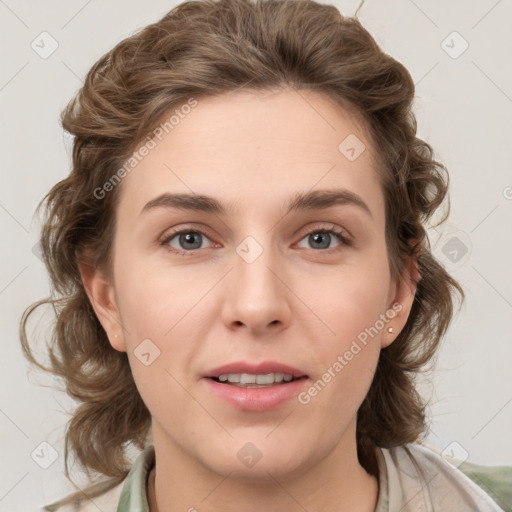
(101, 294)
(402, 296)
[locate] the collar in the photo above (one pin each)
(134, 496)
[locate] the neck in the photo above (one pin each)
(337, 482)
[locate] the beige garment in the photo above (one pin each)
(415, 478)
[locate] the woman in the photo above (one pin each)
(269, 366)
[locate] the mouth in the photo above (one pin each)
(244, 374)
(255, 387)
(255, 381)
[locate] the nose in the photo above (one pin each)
(257, 297)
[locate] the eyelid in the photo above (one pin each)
(172, 232)
(326, 226)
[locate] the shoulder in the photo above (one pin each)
(496, 481)
(115, 494)
(431, 480)
(107, 501)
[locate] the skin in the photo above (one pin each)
(298, 303)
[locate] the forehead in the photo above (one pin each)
(255, 145)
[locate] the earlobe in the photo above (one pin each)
(401, 304)
(101, 295)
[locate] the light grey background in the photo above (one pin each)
(463, 108)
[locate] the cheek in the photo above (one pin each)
(159, 321)
(352, 298)
(352, 305)
(149, 300)
(345, 362)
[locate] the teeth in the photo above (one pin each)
(247, 378)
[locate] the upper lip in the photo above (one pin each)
(262, 368)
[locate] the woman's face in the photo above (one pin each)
(252, 282)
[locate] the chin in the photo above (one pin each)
(255, 465)
(264, 473)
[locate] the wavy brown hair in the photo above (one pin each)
(205, 48)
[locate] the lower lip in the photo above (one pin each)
(257, 399)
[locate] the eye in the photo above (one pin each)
(320, 238)
(188, 241)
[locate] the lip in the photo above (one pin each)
(256, 399)
(262, 368)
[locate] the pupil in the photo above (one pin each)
(189, 238)
(316, 235)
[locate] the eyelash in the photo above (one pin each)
(339, 233)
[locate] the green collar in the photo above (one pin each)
(133, 496)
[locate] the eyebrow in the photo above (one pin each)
(313, 200)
